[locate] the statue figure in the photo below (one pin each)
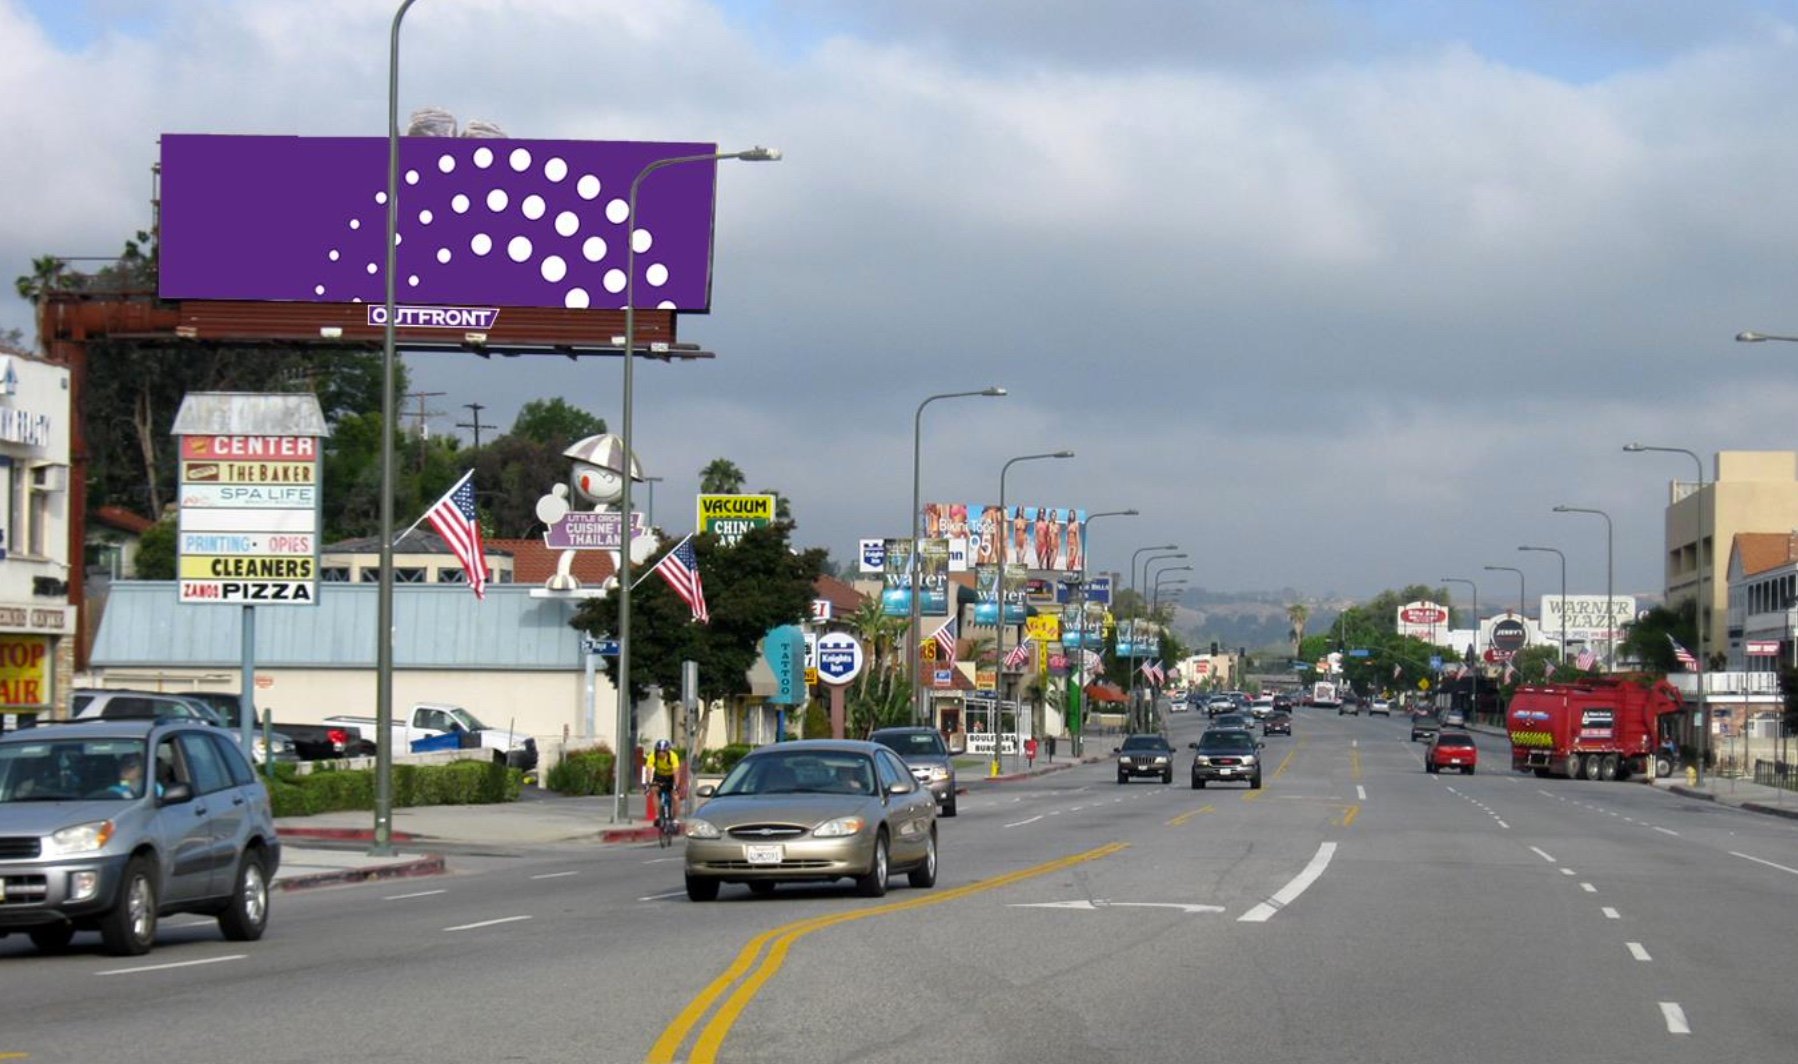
(597, 480)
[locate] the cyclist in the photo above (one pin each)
(663, 768)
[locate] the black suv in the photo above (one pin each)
(1145, 755)
(1226, 755)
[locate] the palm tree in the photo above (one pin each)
(881, 696)
(721, 477)
(1298, 614)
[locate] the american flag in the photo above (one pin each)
(1152, 671)
(454, 519)
(1510, 672)
(945, 640)
(1686, 660)
(1548, 670)
(1018, 655)
(1092, 663)
(680, 567)
(1586, 659)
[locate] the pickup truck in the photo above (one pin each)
(433, 720)
(313, 742)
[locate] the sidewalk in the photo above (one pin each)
(1740, 794)
(328, 849)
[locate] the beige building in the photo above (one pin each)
(37, 625)
(1750, 491)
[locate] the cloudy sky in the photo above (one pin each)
(1341, 294)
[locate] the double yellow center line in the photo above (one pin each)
(754, 968)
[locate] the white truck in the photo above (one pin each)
(1325, 696)
(427, 724)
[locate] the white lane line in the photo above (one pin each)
(175, 964)
(1021, 823)
(1538, 851)
(555, 875)
(1588, 888)
(1636, 951)
(1758, 860)
(1610, 913)
(414, 894)
(1289, 893)
(1052, 812)
(1666, 831)
(663, 860)
(1504, 825)
(1675, 1017)
(487, 923)
(1566, 871)
(1360, 792)
(660, 897)
(1077, 808)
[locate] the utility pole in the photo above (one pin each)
(476, 409)
(420, 417)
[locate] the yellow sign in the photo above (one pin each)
(928, 650)
(247, 567)
(729, 516)
(1423, 684)
(811, 675)
(24, 670)
(1043, 627)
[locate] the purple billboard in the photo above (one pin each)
(524, 223)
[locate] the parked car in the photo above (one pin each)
(1451, 750)
(311, 742)
(124, 704)
(813, 810)
(110, 825)
(1226, 755)
(434, 720)
(1145, 755)
(1424, 726)
(928, 758)
(1280, 723)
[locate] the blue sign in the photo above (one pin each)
(1098, 589)
(1360, 652)
(784, 648)
(839, 657)
(1436, 662)
(603, 645)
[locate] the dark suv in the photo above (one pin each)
(107, 826)
(1226, 755)
(1145, 755)
(927, 756)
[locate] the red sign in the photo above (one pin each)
(1761, 648)
(1423, 615)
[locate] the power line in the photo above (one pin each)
(475, 424)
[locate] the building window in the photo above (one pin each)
(334, 574)
(408, 574)
(368, 574)
(448, 575)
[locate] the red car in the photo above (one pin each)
(1451, 750)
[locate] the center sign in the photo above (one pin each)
(249, 519)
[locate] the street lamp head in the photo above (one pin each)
(1062, 454)
(995, 390)
(1634, 448)
(1749, 337)
(1561, 509)
(759, 154)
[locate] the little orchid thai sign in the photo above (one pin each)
(482, 223)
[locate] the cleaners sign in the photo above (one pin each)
(729, 516)
(249, 519)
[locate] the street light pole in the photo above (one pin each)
(914, 638)
(1078, 698)
(1154, 608)
(1704, 721)
(381, 845)
(1523, 597)
(650, 518)
(1473, 694)
(1141, 598)
(1610, 605)
(999, 622)
(622, 759)
(1563, 557)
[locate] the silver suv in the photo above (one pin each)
(107, 826)
(928, 758)
(105, 703)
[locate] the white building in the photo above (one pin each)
(37, 625)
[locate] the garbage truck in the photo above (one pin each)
(1607, 728)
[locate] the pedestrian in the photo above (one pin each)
(1051, 747)
(1030, 751)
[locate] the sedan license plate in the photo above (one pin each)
(763, 855)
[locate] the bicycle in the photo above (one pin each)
(667, 826)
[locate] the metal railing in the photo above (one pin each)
(1781, 774)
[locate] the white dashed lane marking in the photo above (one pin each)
(1611, 914)
(1636, 951)
(1675, 1017)
(1758, 860)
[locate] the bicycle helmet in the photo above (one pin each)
(663, 745)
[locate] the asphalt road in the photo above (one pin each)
(1354, 909)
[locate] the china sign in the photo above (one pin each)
(728, 517)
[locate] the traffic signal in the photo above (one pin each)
(1214, 648)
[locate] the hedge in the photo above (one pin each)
(582, 772)
(721, 760)
(328, 789)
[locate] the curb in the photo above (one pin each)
(1772, 810)
(646, 833)
(341, 834)
(430, 864)
(1687, 792)
(1044, 771)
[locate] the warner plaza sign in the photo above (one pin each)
(1586, 617)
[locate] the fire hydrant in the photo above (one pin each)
(1691, 775)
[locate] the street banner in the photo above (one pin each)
(895, 596)
(1044, 627)
(728, 517)
(1041, 538)
(933, 577)
(1016, 609)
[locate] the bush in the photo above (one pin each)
(719, 761)
(583, 772)
(817, 721)
(330, 789)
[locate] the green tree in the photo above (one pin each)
(555, 423)
(511, 474)
(1646, 640)
(721, 477)
(156, 550)
(881, 695)
(750, 588)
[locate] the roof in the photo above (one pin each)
(1761, 551)
(124, 520)
(533, 563)
(843, 598)
(435, 626)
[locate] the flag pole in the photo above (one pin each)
(651, 570)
